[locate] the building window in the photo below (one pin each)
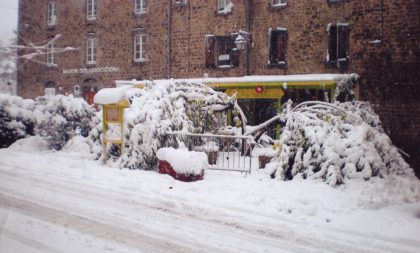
(277, 47)
(221, 51)
(139, 6)
(139, 48)
(224, 6)
(91, 45)
(49, 88)
(278, 3)
(50, 55)
(91, 10)
(338, 45)
(181, 3)
(52, 14)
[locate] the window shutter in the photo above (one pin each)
(210, 41)
(282, 46)
(271, 47)
(234, 52)
(343, 39)
(332, 44)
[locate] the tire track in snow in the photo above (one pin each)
(27, 241)
(87, 226)
(214, 227)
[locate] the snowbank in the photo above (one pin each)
(265, 151)
(30, 144)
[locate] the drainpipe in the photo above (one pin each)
(382, 22)
(248, 29)
(169, 63)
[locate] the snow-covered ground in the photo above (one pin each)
(66, 202)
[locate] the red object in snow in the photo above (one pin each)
(259, 89)
(89, 95)
(166, 168)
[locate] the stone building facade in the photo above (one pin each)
(144, 39)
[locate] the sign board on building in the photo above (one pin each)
(91, 70)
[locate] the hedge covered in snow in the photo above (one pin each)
(336, 142)
(16, 119)
(58, 118)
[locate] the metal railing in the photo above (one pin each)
(224, 152)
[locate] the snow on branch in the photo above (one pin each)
(334, 143)
(33, 50)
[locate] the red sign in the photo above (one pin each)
(259, 89)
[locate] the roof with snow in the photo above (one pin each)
(310, 78)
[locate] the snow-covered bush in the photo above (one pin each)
(334, 143)
(344, 91)
(16, 119)
(164, 107)
(61, 117)
(56, 117)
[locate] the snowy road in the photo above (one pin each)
(51, 202)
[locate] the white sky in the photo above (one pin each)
(9, 16)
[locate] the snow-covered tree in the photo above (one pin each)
(35, 51)
(164, 107)
(335, 142)
(7, 68)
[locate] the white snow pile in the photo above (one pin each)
(30, 144)
(334, 143)
(182, 160)
(57, 118)
(110, 95)
(162, 107)
(264, 151)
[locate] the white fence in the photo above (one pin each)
(226, 153)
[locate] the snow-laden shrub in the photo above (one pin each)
(165, 107)
(61, 117)
(56, 117)
(344, 91)
(16, 119)
(334, 143)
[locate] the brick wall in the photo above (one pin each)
(388, 68)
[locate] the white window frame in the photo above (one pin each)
(91, 51)
(91, 9)
(180, 3)
(222, 5)
(278, 3)
(51, 14)
(140, 7)
(50, 55)
(139, 47)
